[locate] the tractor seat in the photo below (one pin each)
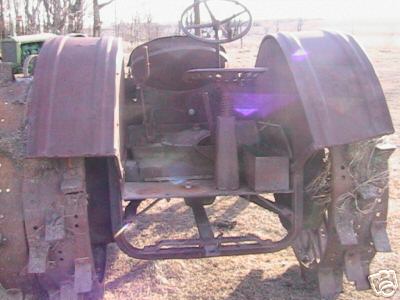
(170, 58)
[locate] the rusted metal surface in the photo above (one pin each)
(74, 111)
(343, 242)
(330, 87)
(173, 163)
(170, 58)
(234, 75)
(226, 156)
(188, 188)
(198, 248)
(264, 173)
(309, 91)
(13, 246)
(54, 190)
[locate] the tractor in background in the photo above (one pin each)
(21, 49)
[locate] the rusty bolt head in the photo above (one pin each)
(2, 239)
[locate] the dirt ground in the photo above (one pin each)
(269, 276)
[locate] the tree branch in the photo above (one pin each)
(105, 4)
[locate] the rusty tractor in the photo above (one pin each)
(89, 139)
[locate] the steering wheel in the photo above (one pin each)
(216, 31)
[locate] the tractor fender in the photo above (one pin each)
(334, 94)
(77, 93)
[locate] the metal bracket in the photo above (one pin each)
(11, 294)
(355, 271)
(83, 280)
(55, 226)
(205, 230)
(38, 252)
(380, 236)
(67, 292)
(330, 282)
(343, 217)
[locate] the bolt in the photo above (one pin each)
(8, 190)
(191, 111)
(1, 217)
(2, 239)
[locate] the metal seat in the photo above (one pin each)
(169, 59)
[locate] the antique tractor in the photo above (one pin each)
(84, 145)
(18, 49)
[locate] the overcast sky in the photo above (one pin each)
(169, 11)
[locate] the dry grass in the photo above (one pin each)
(269, 276)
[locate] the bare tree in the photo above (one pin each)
(136, 29)
(32, 14)
(10, 20)
(75, 16)
(96, 16)
(56, 14)
(2, 21)
(149, 21)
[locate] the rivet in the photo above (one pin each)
(8, 190)
(378, 214)
(188, 186)
(1, 190)
(379, 200)
(1, 216)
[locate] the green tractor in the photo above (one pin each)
(18, 49)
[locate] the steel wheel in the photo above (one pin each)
(344, 215)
